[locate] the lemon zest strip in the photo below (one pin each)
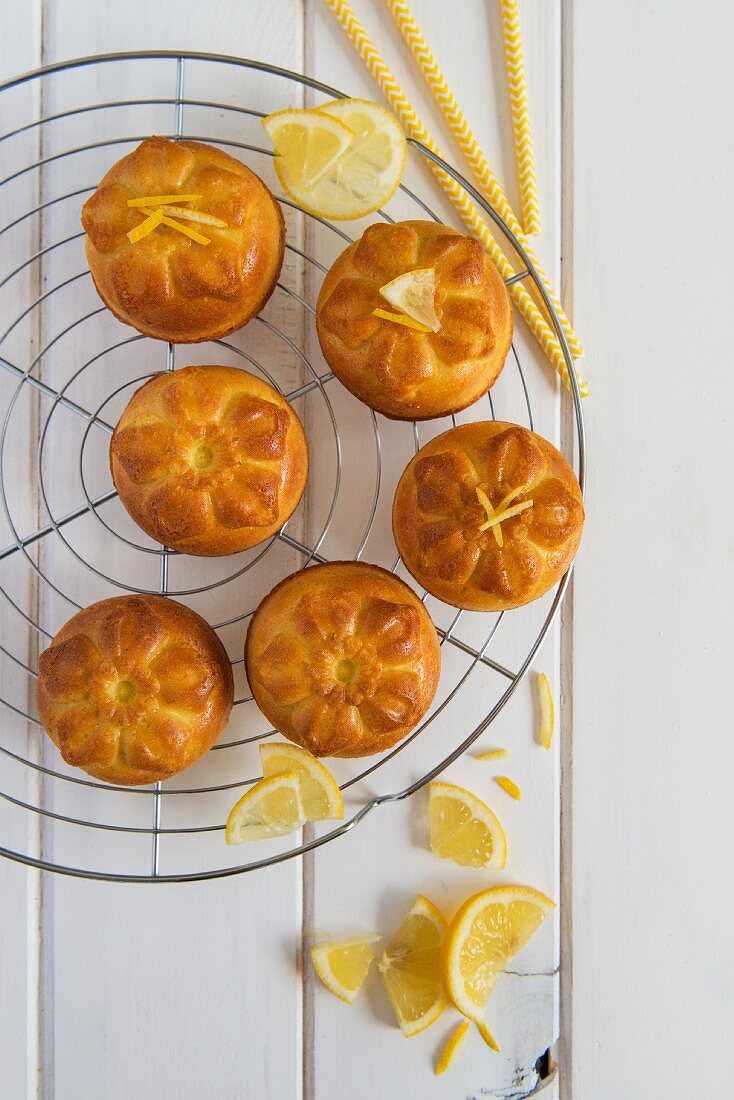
(500, 517)
(489, 509)
(196, 216)
(451, 1048)
(401, 319)
(509, 786)
(488, 1037)
(173, 224)
(151, 222)
(161, 200)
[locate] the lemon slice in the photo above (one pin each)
(547, 715)
(464, 829)
(451, 1048)
(270, 808)
(410, 968)
(414, 293)
(488, 930)
(342, 965)
(343, 160)
(320, 795)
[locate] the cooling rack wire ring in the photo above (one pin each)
(55, 526)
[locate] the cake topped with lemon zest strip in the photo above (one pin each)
(488, 516)
(184, 242)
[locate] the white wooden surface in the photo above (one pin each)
(111, 992)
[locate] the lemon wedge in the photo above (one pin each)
(488, 930)
(342, 965)
(464, 829)
(414, 294)
(410, 968)
(320, 795)
(343, 160)
(547, 712)
(451, 1048)
(270, 808)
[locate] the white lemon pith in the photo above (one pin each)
(320, 795)
(270, 808)
(464, 829)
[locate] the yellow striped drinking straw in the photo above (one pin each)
(466, 209)
(520, 115)
(468, 144)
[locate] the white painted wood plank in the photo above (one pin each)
(653, 754)
(382, 865)
(20, 890)
(199, 949)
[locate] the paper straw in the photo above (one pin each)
(520, 115)
(466, 209)
(468, 144)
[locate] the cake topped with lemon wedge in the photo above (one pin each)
(415, 320)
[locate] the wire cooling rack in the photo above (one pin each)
(67, 369)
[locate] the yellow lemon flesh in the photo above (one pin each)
(320, 795)
(488, 930)
(464, 829)
(414, 293)
(342, 965)
(410, 968)
(343, 160)
(307, 143)
(270, 808)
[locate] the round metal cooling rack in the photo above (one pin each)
(46, 790)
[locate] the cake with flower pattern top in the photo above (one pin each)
(209, 460)
(488, 516)
(134, 689)
(343, 659)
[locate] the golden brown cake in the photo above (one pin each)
(134, 689)
(209, 460)
(403, 373)
(343, 659)
(453, 490)
(167, 284)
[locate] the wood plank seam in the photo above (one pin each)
(565, 1042)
